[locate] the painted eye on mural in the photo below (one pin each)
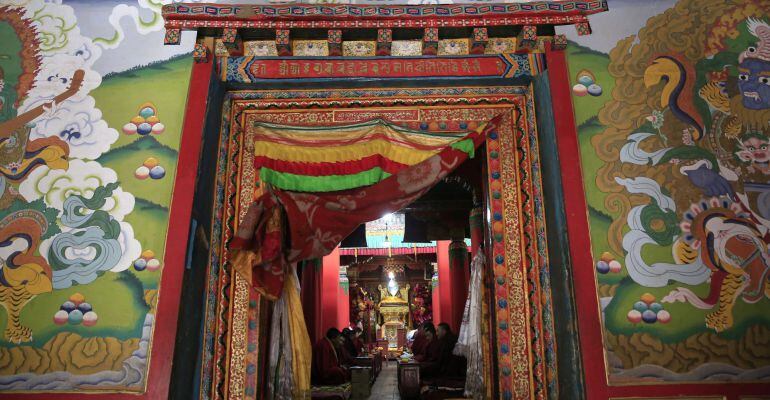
(50, 78)
(743, 77)
(752, 148)
(765, 80)
(752, 49)
(763, 147)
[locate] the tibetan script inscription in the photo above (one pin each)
(250, 69)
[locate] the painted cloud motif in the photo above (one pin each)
(80, 124)
(54, 78)
(82, 178)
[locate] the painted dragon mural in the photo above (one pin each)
(681, 218)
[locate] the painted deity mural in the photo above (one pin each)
(90, 122)
(674, 125)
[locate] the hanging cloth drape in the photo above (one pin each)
(333, 158)
(290, 348)
(284, 227)
(469, 341)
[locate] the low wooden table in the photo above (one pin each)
(409, 379)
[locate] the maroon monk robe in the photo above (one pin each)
(326, 368)
(419, 342)
(431, 352)
(451, 365)
(359, 344)
(430, 359)
(344, 355)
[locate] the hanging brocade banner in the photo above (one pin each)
(332, 158)
(284, 227)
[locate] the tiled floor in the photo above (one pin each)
(386, 385)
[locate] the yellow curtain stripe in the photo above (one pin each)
(389, 150)
(273, 133)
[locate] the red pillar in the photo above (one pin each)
(435, 296)
(330, 290)
(178, 231)
(343, 299)
(445, 282)
(311, 292)
(458, 266)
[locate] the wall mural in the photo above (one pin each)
(90, 123)
(673, 128)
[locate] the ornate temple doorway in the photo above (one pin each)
(509, 188)
(471, 87)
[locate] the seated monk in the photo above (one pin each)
(419, 343)
(431, 355)
(451, 365)
(349, 344)
(326, 366)
(357, 342)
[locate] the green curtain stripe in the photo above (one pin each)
(329, 183)
(466, 146)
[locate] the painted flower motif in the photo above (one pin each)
(81, 178)
(501, 46)
(656, 119)
(418, 176)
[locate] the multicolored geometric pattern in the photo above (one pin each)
(479, 41)
(335, 42)
(283, 42)
(200, 53)
(376, 16)
(229, 35)
(583, 28)
(430, 42)
(384, 41)
(559, 42)
(528, 36)
(172, 36)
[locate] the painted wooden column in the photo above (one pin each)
(343, 298)
(458, 267)
(435, 295)
(178, 233)
(445, 281)
(330, 290)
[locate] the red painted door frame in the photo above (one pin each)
(589, 325)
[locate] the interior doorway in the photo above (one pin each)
(237, 319)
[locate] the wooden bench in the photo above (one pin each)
(444, 388)
(409, 379)
(361, 382)
(336, 392)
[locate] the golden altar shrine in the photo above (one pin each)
(394, 310)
